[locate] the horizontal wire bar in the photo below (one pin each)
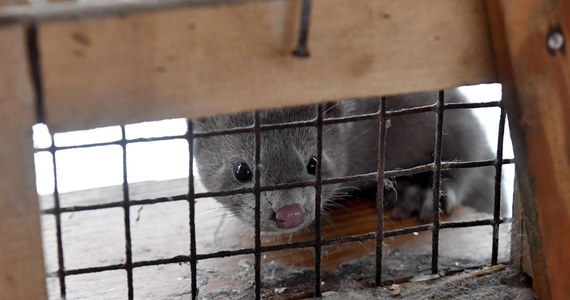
(470, 105)
(111, 143)
(95, 9)
(475, 223)
(235, 130)
(94, 269)
(279, 126)
(71, 209)
(273, 248)
(408, 230)
(361, 177)
(411, 110)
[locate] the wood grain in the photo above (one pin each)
(537, 94)
(223, 59)
(22, 273)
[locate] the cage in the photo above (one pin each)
(111, 65)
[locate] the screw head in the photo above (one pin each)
(555, 41)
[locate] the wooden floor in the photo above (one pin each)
(96, 238)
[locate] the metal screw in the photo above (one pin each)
(555, 41)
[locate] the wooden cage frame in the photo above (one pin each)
(170, 59)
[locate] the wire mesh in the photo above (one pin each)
(193, 257)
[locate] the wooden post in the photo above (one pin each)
(535, 71)
(22, 274)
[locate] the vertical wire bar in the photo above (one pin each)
(439, 109)
(318, 192)
(58, 232)
(35, 70)
(498, 177)
(192, 206)
(380, 189)
(36, 75)
(257, 195)
(302, 50)
(126, 209)
(34, 58)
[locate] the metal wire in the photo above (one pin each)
(127, 219)
(498, 177)
(35, 69)
(37, 84)
(192, 209)
(257, 195)
(287, 246)
(318, 192)
(437, 166)
(58, 231)
(380, 189)
(289, 125)
(439, 109)
(72, 10)
(445, 166)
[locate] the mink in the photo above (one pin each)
(289, 155)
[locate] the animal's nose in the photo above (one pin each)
(290, 216)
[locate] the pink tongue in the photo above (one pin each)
(290, 216)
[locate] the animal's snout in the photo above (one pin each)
(290, 216)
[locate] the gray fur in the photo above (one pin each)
(347, 149)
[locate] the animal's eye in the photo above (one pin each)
(312, 166)
(242, 172)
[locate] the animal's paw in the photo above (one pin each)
(417, 201)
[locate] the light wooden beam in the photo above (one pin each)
(222, 59)
(537, 92)
(22, 274)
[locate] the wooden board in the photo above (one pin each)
(222, 59)
(22, 273)
(537, 94)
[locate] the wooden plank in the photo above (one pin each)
(11, 2)
(22, 274)
(537, 89)
(223, 59)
